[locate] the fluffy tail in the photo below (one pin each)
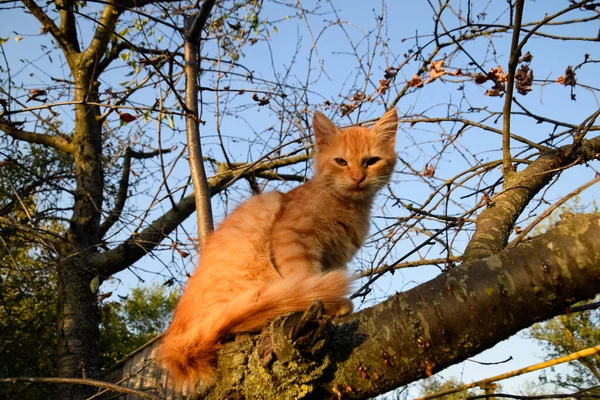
(189, 351)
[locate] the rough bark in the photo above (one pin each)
(413, 334)
(79, 317)
(495, 223)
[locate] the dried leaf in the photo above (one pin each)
(263, 101)
(496, 91)
(346, 109)
(429, 171)
(527, 57)
(390, 73)
(480, 78)
(358, 97)
(497, 74)
(127, 118)
(569, 78)
(436, 70)
(384, 85)
(415, 81)
(524, 79)
(104, 296)
(35, 94)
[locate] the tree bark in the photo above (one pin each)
(495, 224)
(419, 332)
(78, 341)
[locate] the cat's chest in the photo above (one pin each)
(342, 235)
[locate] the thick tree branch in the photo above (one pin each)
(106, 26)
(55, 142)
(67, 22)
(426, 329)
(495, 223)
(193, 29)
(115, 213)
(138, 245)
(62, 40)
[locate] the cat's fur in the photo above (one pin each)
(279, 252)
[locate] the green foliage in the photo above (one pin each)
(27, 316)
(567, 334)
(435, 384)
(127, 325)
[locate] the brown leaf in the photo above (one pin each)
(527, 57)
(494, 92)
(480, 78)
(429, 171)
(104, 296)
(569, 78)
(263, 101)
(436, 70)
(358, 97)
(390, 73)
(524, 79)
(384, 85)
(127, 118)
(346, 109)
(34, 94)
(497, 74)
(415, 81)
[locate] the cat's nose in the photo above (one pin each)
(358, 177)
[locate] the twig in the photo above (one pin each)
(515, 53)
(549, 211)
(81, 381)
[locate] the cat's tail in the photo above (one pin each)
(189, 353)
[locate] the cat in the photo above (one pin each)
(279, 252)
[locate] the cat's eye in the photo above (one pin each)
(341, 162)
(373, 160)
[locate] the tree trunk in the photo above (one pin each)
(79, 317)
(78, 328)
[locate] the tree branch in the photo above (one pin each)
(138, 245)
(62, 40)
(67, 22)
(55, 142)
(106, 26)
(495, 223)
(416, 333)
(79, 381)
(515, 53)
(193, 28)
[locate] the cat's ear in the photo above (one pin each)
(323, 128)
(387, 126)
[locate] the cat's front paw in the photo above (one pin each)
(344, 308)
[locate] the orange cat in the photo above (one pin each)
(279, 252)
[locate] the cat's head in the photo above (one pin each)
(356, 162)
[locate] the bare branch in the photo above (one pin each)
(56, 142)
(504, 209)
(80, 381)
(515, 53)
(194, 26)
